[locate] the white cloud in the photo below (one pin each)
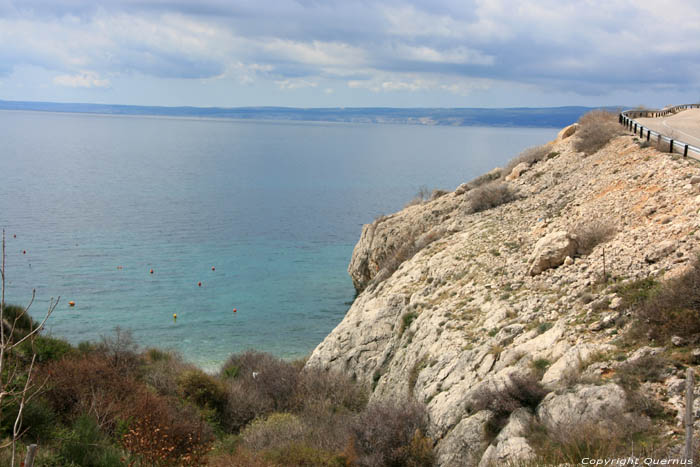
(295, 84)
(85, 79)
(414, 82)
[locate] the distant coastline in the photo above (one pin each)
(541, 117)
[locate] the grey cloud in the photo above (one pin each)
(552, 44)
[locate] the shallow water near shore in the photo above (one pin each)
(92, 203)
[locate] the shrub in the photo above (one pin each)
(205, 391)
(161, 432)
(437, 193)
(87, 384)
(406, 320)
(596, 129)
(392, 434)
(47, 348)
(672, 310)
(163, 371)
(84, 444)
(650, 368)
(38, 419)
(592, 233)
(258, 384)
(491, 176)
(18, 317)
(568, 447)
(277, 429)
(519, 391)
(120, 350)
(490, 195)
(529, 156)
(422, 195)
(333, 391)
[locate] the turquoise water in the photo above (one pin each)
(276, 208)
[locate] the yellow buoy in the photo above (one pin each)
(174, 316)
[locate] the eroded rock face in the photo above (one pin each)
(551, 251)
(585, 405)
(465, 312)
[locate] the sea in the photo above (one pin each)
(243, 230)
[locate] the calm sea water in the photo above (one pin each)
(95, 202)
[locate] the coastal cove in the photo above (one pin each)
(92, 203)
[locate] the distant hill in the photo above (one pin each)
(520, 117)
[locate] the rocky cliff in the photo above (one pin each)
(524, 303)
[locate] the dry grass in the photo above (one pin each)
(596, 128)
(488, 196)
(485, 178)
(592, 233)
(671, 309)
(530, 156)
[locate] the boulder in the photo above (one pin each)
(566, 132)
(517, 171)
(586, 405)
(551, 251)
(571, 362)
(465, 443)
(507, 452)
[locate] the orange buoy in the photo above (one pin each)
(14, 236)
(120, 267)
(234, 310)
(151, 271)
(24, 252)
(213, 268)
(71, 303)
(199, 284)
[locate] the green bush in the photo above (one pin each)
(406, 320)
(46, 348)
(203, 390)
(84, 445)
(17, 316)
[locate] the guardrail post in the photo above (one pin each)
(670, 146)
(648, 135)
(635, 129)
(685, 151)
(619, 118)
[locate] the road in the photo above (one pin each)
(683, 126)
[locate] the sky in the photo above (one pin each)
(347, 53)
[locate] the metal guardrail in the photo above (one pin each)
(627, 117)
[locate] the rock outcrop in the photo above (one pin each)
(503, 292)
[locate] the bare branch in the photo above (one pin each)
(52, 306)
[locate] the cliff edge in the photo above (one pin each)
(506, 306)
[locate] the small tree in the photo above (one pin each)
(17, 384)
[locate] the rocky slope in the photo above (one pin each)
(454, 304)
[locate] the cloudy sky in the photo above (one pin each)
(327, 53)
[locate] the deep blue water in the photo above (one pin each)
(276, 208)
